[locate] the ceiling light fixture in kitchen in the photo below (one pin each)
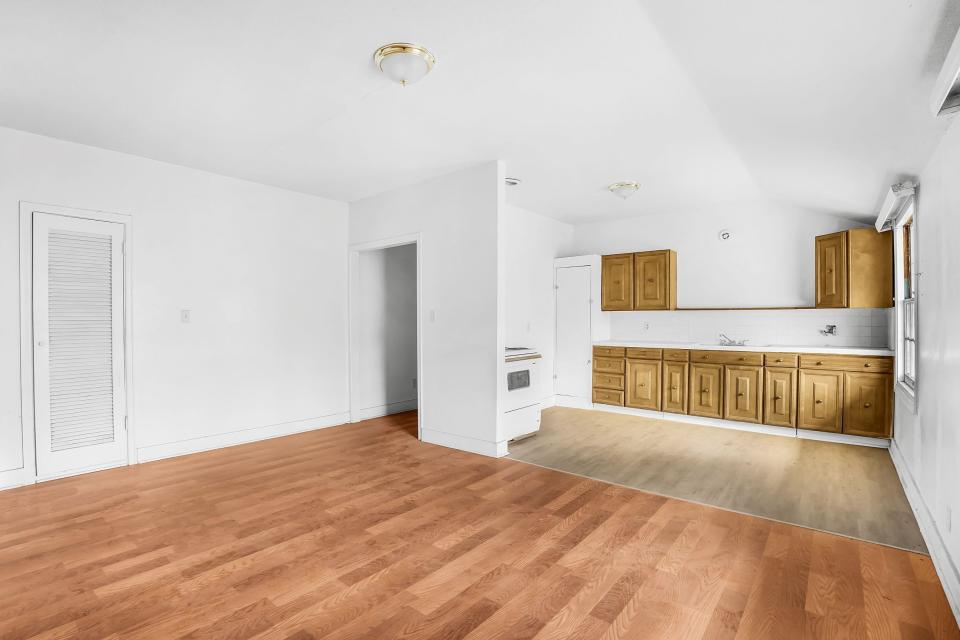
(624, 189)
(404, 62)
(512, 182)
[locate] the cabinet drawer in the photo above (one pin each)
(781, 359)
(728, 357)
(644, 354)
(607, 381)
(608, 365)
(608, 396)
(611, 352)
(866, 364)
(676, 355)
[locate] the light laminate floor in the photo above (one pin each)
(850, 490)
(361, 531)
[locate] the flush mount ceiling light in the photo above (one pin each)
(512, 182)
(404, 62)
(624, 189)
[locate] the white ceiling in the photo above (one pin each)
(817, 104)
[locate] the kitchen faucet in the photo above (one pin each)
(727, 341)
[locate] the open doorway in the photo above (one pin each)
(384, 329)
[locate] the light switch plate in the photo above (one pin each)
(185, 315)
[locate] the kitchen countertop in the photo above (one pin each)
(778, 348)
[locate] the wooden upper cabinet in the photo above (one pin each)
(675, 380)
(821, 398)
(706, 390)
(643, 384)
(780, 397)
(616, 282)
(655, 280)
(831, 270)
(867, 401)
(744, 398)
(870, 270)
(855, 269)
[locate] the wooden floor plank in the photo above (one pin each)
(362, 531)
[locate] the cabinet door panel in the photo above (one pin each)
(831, 266)
(743, 393)
(821, 395)
(650, 281)
(675, 386)
(866, 404)
(643, 384)
(616, 282)
(779, 402)
(706, 390)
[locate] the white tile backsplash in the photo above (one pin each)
(800, 327)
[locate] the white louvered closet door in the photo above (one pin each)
(79, 407)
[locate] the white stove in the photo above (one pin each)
(521, 402)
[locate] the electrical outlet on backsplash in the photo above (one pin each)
(800, 327)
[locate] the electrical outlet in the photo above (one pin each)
(185, 315)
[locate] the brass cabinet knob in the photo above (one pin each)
(866, 364)
(740, 395)
(779, 359)
(742, 359)
(819, 362)
(642, 385)
(704, 390)
(650, 280)
(778, 397)
(866, 405)
(673, 388)
(819, 401)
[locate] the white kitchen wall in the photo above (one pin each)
(801, 327)
(531, 242)
(457, 217)
(927, 443)
(262, 269)
(386, 344)
(767, 262)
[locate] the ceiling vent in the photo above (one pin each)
(946, 92)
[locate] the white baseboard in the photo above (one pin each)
(383, 410)
(573, 402)
(787, 432)
(14, 478)
(464, 443)
(220, 440)
(942, 562)
(548, 402)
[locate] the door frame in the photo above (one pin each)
(353, 276)
(27, 474)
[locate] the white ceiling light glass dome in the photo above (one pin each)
(624, 189)
(404, 62)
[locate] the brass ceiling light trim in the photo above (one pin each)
(404, 62)
(624, 189)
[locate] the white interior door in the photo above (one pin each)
(79, 408)
(573, 368)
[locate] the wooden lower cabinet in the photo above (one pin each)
(608, 396)
(780, 397)
(643, 384)
(820, 406)
(867, 401)
(675, 380)
(706, 390)
(743, 399)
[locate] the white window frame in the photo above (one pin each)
(906, 386)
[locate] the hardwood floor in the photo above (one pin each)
(853, 491)
(363, 532)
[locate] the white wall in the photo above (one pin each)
(457, 217)
(769, 261)
(386, 323)
(927, 445)
(798, 327)
(530, 243)
(263, 271)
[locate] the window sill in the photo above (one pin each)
(906, 395)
